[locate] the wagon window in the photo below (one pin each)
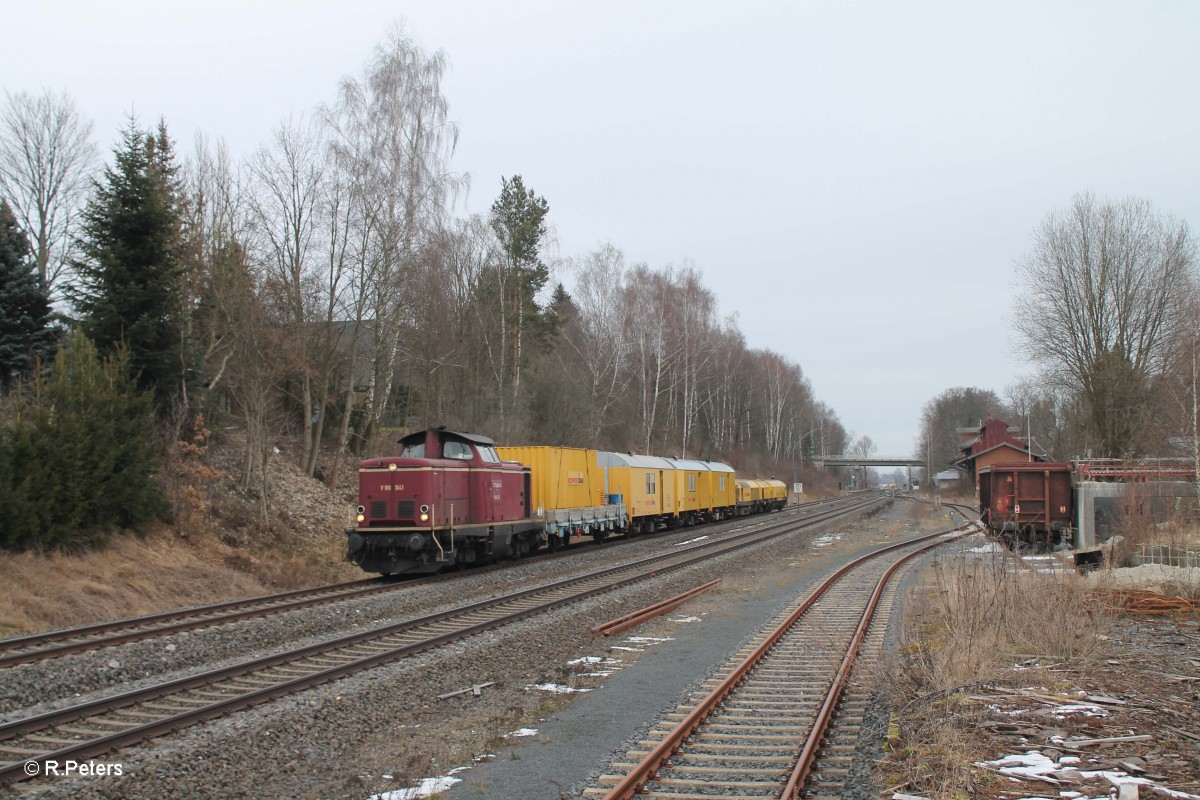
(457, 450)
(722, 483)
(650, 481)
(691, 483)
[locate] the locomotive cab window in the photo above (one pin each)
(650, 483)
(459, 451)
(489, 455)
(413, 451)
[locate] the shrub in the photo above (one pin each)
(78, 460)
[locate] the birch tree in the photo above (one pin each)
(47, 159)
(599, 335)
(394, 142)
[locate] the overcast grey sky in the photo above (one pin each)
(854, 179)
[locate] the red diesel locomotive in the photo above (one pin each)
(446, 499)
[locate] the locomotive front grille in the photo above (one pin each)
(406, 509)
(378, 509)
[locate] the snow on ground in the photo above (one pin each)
(521, 732)
(1155, 577)
(692, 541)
(988, 547)
(557, 688)
(428, 787)
(1033, 765)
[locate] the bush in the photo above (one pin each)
(78, 458)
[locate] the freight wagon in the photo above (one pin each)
(1030, 505)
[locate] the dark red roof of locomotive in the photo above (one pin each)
(444, 431)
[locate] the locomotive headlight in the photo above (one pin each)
(360, 517)
(392, 467)
(424, 518)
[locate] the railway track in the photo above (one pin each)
(93, 728)
(758, 729)
(53, 644)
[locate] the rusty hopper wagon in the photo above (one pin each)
(1030, 505)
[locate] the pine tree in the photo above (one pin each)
(78, 456)
(519, 222)
(130, 269)
(25, 334)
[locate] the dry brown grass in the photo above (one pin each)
(969, 623)
(978, 612)
(140, 575)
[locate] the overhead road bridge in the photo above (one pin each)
(855, 463)
(852, 461)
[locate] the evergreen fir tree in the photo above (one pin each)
(79, 455)
(25, 333)
(129, 273)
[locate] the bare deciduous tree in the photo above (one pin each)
(1099, 308)
(599, 334)
(393, 142)
(287, 203)
(46, 161)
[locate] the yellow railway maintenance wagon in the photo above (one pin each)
(723, 489)
(704, 491)
(775, 494)
(749, 495)
(693, 492)
(647, 485)
(567, 491)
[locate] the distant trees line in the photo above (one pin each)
(1108, 312)
(323, 288)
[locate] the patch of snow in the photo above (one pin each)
(649, 639)
(692, 541)
(1035, 766)
(1014, 713)
(556, 688)
(1083, 708)
(686, 619)
(428, 787)
(520, 732)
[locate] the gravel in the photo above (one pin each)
(385, 728)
